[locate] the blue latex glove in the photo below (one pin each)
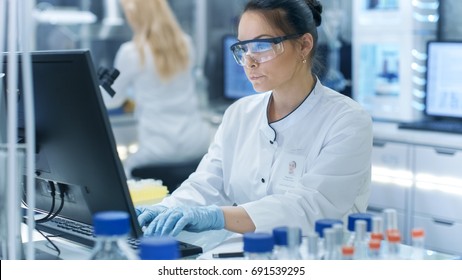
(194, 219)
(147, 214)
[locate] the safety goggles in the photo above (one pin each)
(259, 50)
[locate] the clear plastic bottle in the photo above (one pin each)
(111, 229)
(352, 218)
(418, 244)
(287, 242)
(393, 246)
(347, 252)
(258, 246)
(377, 228)
(360, 240)
(319, 227)
(390, 219)
(374, 249)
(329, 245)
(339, 236)
(312, 246)
(159, 248)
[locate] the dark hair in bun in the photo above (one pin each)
(290, 16)
(316, 9)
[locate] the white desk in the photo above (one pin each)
(44, 250)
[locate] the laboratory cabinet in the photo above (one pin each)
(438, 197)
(420, 175)
(391, 180)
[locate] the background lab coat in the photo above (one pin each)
(328, 135)
(170, 125)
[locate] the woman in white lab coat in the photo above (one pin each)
(156, 65)
(296, 153)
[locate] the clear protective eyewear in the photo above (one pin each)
(259, 50)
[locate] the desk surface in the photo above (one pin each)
(232, 243)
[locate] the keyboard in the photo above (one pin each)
(440, 126)
(83, 234)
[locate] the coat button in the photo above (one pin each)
(262, 180)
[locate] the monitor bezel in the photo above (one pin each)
(429, 115)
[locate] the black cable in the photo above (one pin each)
(51, 243)
(50, 213)
(61, 206)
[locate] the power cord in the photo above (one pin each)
(54, 247)
(50, 213)
(61, 206)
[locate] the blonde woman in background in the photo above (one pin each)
(156, 66)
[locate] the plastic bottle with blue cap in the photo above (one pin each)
(111, 229)
(319, 226)
(258, 246)
(352, 218)
(287, 241)
(159, 248)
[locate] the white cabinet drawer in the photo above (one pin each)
(438, 201)
(438, 162)
(392, 156)
(441, 236)
(391, 175)
(388, 195)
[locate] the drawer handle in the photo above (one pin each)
(375, 209)
(445, 151)
(378, 143)
(443, 222)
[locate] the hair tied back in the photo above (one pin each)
(316, 9)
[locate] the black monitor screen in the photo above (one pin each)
(76, 150)
(235, 84)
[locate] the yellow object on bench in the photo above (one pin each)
(147, 191)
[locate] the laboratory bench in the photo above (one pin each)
(231, 243)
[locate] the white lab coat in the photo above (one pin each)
(250, 163)
(171, 127)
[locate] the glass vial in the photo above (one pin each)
(418, 244)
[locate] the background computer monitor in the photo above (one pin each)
(444, 79)
(2, 111)
(76, 149)
(235, 82)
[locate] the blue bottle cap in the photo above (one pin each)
(280, 235)
(359, 216)
(321, 224)
(258, 242)
(159, 248)
(109, 223)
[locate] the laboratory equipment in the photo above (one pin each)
(111, 229)
(258, 246)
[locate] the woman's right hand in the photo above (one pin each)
(147, 214)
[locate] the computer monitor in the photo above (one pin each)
(444, 79)
(76, 149)
(235, 82)
(2, 111)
